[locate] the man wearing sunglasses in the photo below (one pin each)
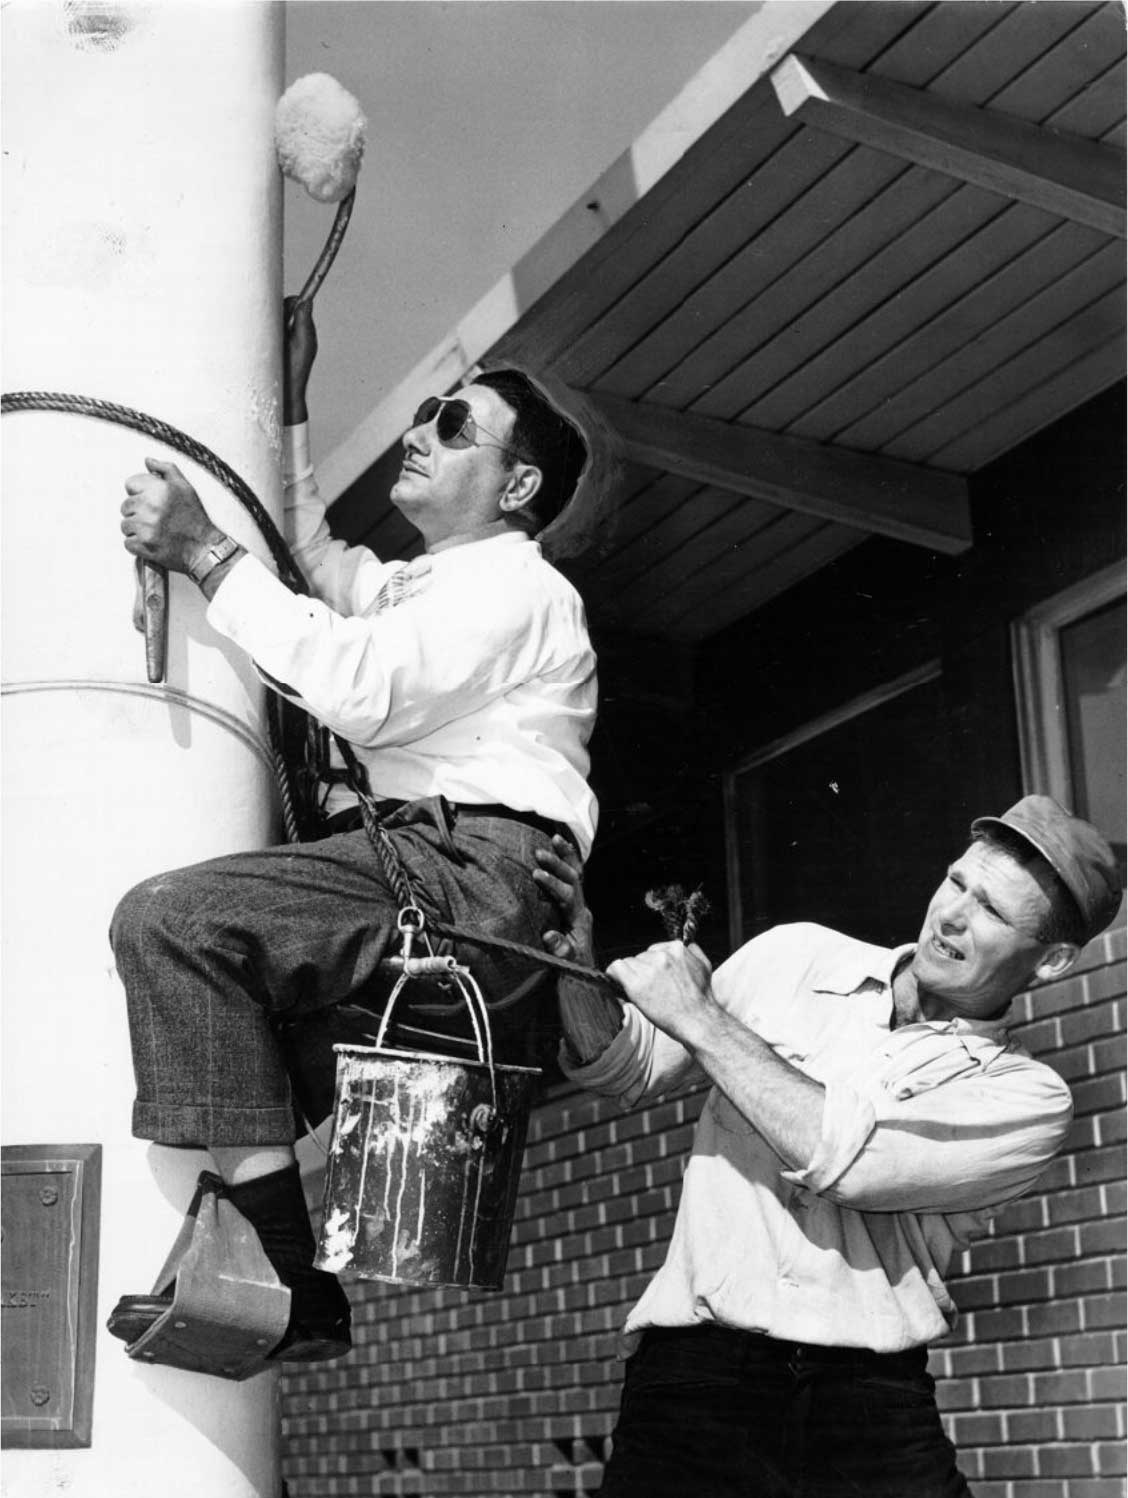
(463, 685)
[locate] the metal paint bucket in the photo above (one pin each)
(425, 1160)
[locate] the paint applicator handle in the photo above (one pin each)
(325, 259)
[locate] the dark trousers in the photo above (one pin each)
(215, 958)
(713, 1413)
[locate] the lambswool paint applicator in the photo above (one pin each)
(319, 136)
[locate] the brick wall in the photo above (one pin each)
(451, 1393)
(455, 1392)
(1032, 1384)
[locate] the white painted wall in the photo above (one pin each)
(141, 243)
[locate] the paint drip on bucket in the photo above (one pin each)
(424, 1166)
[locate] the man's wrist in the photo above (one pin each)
(212, 562)
(294, 408)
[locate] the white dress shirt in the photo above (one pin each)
(928, 1130)
(475, 680)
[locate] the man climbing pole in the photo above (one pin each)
(463, 686)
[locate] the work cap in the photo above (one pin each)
(1074, 849)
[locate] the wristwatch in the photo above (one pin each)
(213, 557)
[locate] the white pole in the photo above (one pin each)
(141, 241)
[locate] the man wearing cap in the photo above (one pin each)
(868, 1115)
(463, 684)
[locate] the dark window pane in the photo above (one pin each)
(1093, 671)
(850, 829)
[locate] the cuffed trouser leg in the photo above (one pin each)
(211, 955)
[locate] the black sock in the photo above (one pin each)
(275, 1207)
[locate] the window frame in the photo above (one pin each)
(1043, 738)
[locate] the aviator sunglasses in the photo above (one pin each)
(454, 422)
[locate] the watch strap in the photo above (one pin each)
(214, 556)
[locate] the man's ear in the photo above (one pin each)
(1056, 961)
(521, 485)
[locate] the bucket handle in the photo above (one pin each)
(410, 924)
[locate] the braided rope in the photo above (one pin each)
(580, 970)
(153, 426)
(181, 442)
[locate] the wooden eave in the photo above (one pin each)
(867, 250)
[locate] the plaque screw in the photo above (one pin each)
(39, 1395)
(48, 1196)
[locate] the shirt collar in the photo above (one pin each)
(511, 537)
(860, 966)
(871, 969)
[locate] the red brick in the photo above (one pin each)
(1033, 1426)
(1011, 1461)
(1098, 1094)
(1066, 1388)
(1066, 1461)
(977, 1430)
(1110, 1459)
(978, 1358)
(987, 1254)
(1006, 1390)
(1093, 1422)
(1089, 1022)
(1105, 1310)
(1055, 1317)
(1029, 1355)
(1001, 1324)
(1064, 1206)
(1090, 1275)
(1104, 983)
(1115, 1197)
(1101, 1165)
(1023, 1286)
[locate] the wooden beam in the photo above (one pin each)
(1073, 178)
(881, 495)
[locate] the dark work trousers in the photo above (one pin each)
(713, 1413)
(215, 958)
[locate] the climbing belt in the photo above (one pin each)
(282, 715)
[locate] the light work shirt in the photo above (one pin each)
(928, 1130)
(467, 673)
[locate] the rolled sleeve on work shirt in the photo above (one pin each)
(927, 1130)
(640, 1062)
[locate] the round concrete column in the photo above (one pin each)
(141, 244)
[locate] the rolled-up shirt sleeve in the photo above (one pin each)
(969, 1142)
(345, 577)
(641, 1062)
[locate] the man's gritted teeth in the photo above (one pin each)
(946, 949)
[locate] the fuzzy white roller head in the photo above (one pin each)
(319, 136)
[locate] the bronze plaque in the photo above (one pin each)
(49, 1292)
